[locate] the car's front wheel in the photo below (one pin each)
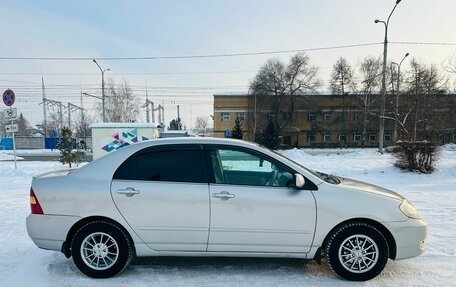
(101, 249)
(357, 251)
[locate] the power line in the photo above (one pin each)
(423, 43)
(192, 56)
(226, 54)
(139, 73)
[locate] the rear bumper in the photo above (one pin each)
(410, 237)
(49, 231)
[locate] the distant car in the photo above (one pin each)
(218, 197)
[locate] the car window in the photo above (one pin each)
(233, 166)
(180, 164)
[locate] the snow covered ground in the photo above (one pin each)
(23, 264)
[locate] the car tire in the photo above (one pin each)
(357, 251)
(101, 249)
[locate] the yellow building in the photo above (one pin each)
(317, 121)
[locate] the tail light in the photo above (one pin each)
(34, 203)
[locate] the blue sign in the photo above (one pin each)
(228, 133)
(9, 97)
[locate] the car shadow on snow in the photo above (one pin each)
(207, 266)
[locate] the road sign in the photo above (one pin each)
(14, 128)
(10, 114)
(228, 133)
(9, 97)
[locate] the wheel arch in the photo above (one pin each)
(66, 246)
(388, 235)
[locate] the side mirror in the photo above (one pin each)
(299, 180)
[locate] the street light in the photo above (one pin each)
(397, 93)
(382, 102)
(102, 89)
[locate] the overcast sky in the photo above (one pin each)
(175, 28)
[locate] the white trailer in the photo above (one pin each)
(108, 137)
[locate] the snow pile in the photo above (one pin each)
(8, 155)
(22, 263)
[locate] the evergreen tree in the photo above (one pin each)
(23, 125)
(68, 156)
(237, 132)
(175, 125)
(270, 136)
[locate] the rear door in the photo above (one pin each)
(163, 194)
(254, 206)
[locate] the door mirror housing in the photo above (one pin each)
(299, 180)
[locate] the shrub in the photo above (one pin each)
(417, 156)
(269, 137)
(237, 132)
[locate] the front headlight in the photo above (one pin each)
(409, 210)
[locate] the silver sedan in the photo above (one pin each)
(218, 197)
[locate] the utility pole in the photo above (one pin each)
(51, 103)
(44, 107)
(383, 97)
(153, 112)
(103, 96)
(72, 107)
(147, 108)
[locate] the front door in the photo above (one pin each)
(254, 206)
(163, 194)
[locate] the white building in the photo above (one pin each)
(108, 137)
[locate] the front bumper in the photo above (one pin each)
(49, 231)
(410, 237)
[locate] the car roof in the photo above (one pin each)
(197, 140)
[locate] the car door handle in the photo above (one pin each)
(129, 191)
(223, 195)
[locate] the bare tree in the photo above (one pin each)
(341, 77)
(340, 82)
(422, 102)
(276, 88)
(369, 70)
(120, 104)
(201, 124)
(82, 125)
(52, 123)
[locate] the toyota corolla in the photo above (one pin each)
(218, 197)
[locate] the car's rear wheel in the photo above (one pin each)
(101, 249)
(357, 251)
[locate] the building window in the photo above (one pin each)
(372, 137)
(342, 137)
(311, 116)
(311, 137)
(387, 137)
(240, 117)
(357, 137)
(356, 116)
(225, 117)
(326, 137)
(341, 116)
(327, 117)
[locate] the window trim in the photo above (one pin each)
(327, 114)
(221, 117)
(357, 134)
(167, 147)
(330, 136)
(309, 185)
